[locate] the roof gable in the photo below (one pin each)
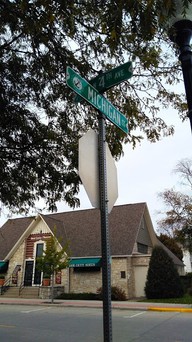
(15, 231)
(144, 235)
(11, 232)
(82, 228)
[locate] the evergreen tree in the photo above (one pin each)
(163, 280)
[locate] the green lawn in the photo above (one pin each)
(186, 299)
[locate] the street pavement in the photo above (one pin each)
(132, 305)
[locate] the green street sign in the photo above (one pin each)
(92, 96)
(110, 78)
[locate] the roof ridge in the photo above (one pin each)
(88, 209)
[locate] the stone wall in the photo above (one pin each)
(45, 291)
(123, 274)
(140, 260)
(82, 282)
(131, 278)
(65, 279)
(125, 266)
(120, 274)
(17, 259)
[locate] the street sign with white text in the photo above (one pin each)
(92, 96)
(110, 78)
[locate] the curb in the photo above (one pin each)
(99, 305)
(169, 309)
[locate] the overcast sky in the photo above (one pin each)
(147, 170)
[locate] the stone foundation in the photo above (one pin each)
(45, 291)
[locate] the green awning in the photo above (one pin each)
(4, 266)
(85, 262)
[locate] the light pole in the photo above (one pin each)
(180, 32)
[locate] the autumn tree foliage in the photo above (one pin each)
(40, 123)
(163, 280)
(171, 244)
(177, 219)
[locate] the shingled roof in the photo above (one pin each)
(10, 233)
(82, 228)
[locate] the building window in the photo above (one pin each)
(39, 250)
(141, 248)
(37, 272)
(143, 224)
(123, 274)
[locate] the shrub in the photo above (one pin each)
(163, 280)
(78, 296)
(116, 293)
(189, 291)
(186, 281)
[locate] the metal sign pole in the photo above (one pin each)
(106, 264)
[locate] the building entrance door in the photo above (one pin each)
(28, 273)
(37, 275)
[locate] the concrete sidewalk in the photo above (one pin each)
(127, 305)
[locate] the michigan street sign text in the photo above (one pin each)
(91, 95)
(106, 108)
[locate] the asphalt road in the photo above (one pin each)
(21, 323)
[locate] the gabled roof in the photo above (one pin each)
(10, 233)
(82, 228)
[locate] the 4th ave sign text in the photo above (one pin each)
(110, 78)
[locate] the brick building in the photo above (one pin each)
(132, 238)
